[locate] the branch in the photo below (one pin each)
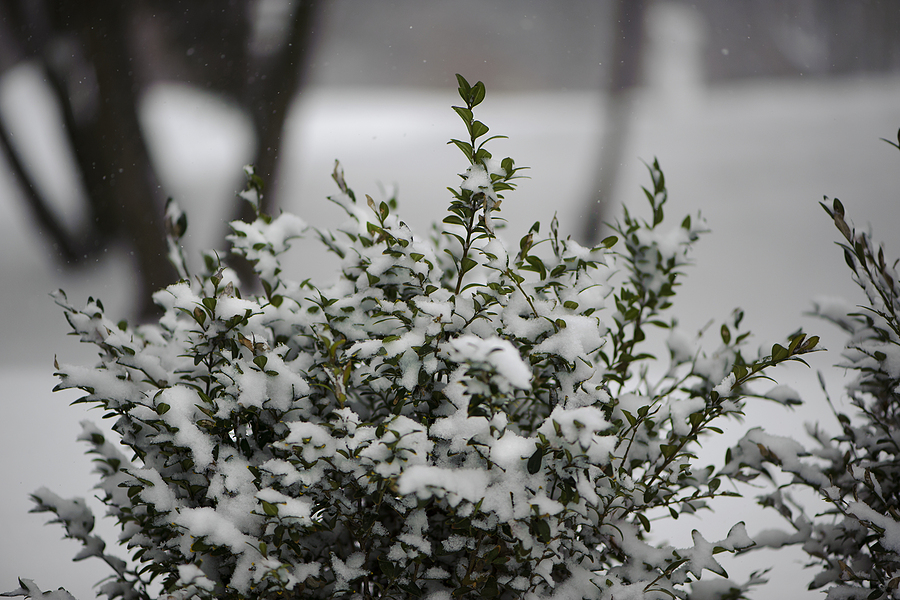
(46, 219)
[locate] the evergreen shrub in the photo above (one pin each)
(453, 417)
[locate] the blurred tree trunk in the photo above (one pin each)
(278, 77)
(120, 175)
(268, 99)
(97, 58)
(628, 25)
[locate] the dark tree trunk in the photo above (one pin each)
(628, 27)
(122, 180)
(275, 83)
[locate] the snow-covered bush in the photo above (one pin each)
(451, 418)
(856, 543)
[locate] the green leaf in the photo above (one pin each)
(267, 287)
(726, 334)
(779, 352)
(478, 93)
(668, 450)
(199, 316)
(465, 114)
(466, 265)
(536, 265)
(490, 589)
(848, 258)
(387, 567)
(465, 90)
(478, 129)
(838, 208)
(496, 177)
(162, 408)
(645, 522)
(466, 147)
(534, 462)
(543, 530)
(373, 229)
(269, 508)
(795, 342)
(609, 242)
(260, 361)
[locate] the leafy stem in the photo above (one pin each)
(482, 183)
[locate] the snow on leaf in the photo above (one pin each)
(701, 557)
(496, 352)
(889, 528)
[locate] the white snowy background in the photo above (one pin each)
(754, 157)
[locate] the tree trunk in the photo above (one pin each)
(626, 63)
(122, 181)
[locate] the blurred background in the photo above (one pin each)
(755, 109)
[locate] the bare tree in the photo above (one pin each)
(97, 58)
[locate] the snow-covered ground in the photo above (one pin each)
(755, 159)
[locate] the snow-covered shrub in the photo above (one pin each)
(856, 543)
(451, 418)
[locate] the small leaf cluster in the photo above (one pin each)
(450, 418)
